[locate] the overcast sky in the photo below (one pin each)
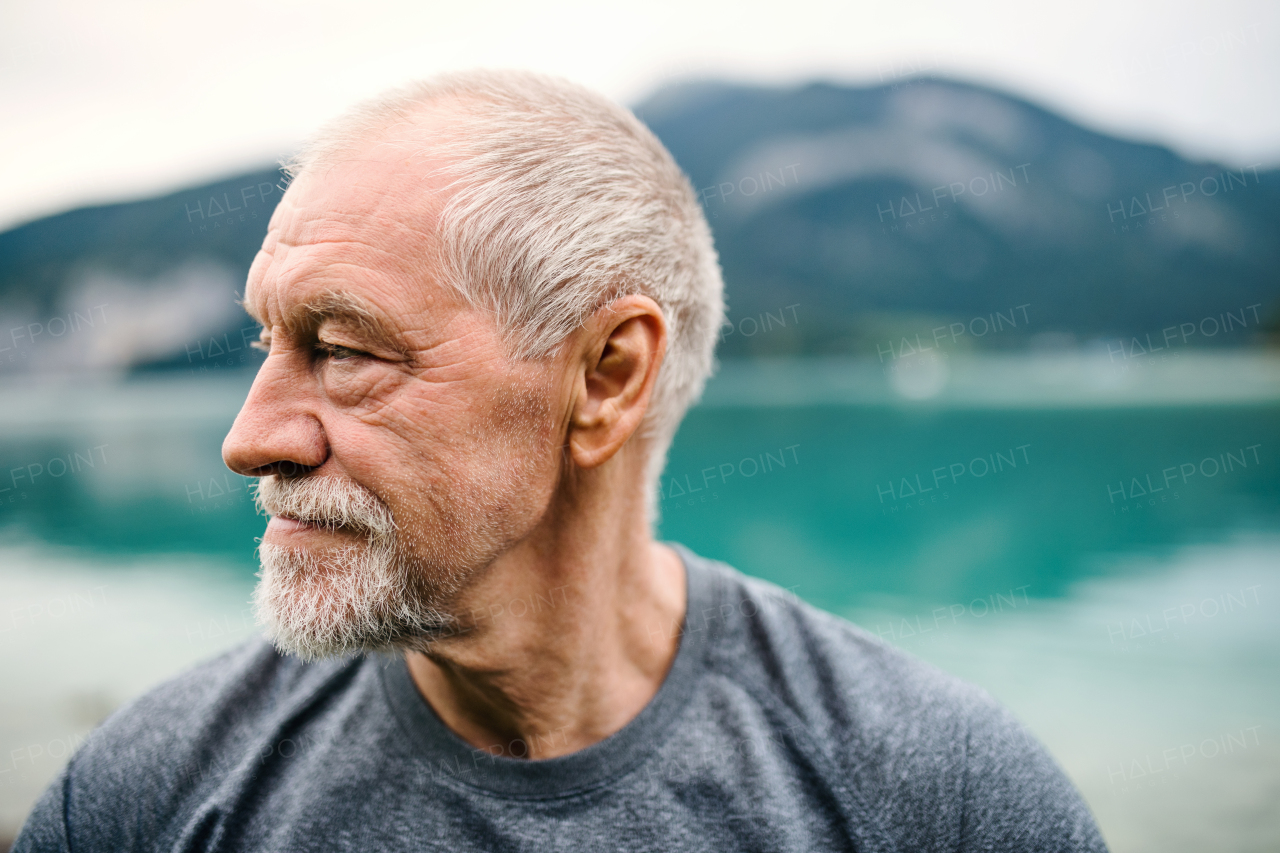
(107, 101)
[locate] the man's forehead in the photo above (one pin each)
(394, 172)
(360, 225)
(334, 280)
(379, 195)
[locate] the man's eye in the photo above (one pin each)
(337, 352)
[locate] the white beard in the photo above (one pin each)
(365, 596)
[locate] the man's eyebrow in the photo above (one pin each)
(349, 308)
(343, 307)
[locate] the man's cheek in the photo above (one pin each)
(368, 392)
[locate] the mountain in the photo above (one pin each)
(848, 219)
(897, 209)
(141, 284)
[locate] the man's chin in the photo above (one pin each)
(328, 604)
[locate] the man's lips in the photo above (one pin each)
(283, 524)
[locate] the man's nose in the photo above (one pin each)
(278, 430)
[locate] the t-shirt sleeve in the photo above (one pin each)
(46, 828)
(1015, 795)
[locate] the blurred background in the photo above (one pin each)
(1000, 380)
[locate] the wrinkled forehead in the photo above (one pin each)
(362, 223)
(391, 176)
(382, 194)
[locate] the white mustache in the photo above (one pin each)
(330, 502)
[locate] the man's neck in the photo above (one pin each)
(570, 633)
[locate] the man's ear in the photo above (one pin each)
(624, 343)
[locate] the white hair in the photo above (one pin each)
(561, 202)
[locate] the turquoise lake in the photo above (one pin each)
(1108, 566)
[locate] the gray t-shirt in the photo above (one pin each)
(779, 727)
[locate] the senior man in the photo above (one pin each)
(487, 301)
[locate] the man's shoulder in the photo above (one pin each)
(234, 680)
(139, 776)
(814, 660)
(925, 751)
(168, 736)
